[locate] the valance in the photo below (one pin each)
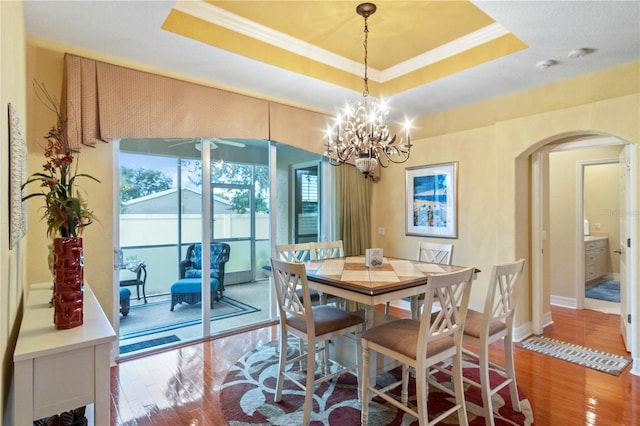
(104, 101)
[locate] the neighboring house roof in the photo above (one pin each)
(165, 202)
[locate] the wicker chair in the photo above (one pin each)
(191, 266)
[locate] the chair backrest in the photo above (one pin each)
(502, 294)
(288, 278)
(219, 254)
(192, 263)
(451, 291)
(435, 253)
(327, 249)
(294, 252)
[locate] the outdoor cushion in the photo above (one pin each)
(188, 290)
(125, 301)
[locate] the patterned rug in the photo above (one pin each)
(248, 390)
(597, 360)
(604, 290)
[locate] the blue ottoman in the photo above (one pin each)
(188, 290)
(125, 299)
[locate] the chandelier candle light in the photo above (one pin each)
(361, 131)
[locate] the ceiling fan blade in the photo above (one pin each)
(226, 142)
(179, 142)
(213, 142)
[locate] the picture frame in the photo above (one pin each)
(432, 200)
(17, 176)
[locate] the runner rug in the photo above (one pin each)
(249, 387)
(591, 358)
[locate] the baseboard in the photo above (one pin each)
(635, 367)
(566, 302)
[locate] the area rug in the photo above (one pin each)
(150, 343)
(247, 398)
(156, 317)
(591, 358)
(604, 290)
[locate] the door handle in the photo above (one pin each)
(618, 251)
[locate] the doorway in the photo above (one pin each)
(543, 233)
(306, 202)
(600, 186)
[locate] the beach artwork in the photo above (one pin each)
(432, 200)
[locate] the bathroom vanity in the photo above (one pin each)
(596, 249)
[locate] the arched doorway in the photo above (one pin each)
(539, 213)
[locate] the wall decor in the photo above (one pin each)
(432, 200)
(17, 176)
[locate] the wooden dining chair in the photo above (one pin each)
(327, 249)
(315, 325)
(303, 252)
(432, 253)
(300, 252)
(421, 344)
(494, 323)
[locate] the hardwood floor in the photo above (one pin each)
(181, 386)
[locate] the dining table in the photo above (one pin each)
(349, 278)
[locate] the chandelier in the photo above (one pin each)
(361, 132)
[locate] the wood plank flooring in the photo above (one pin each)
(181, 386)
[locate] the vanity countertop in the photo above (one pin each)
(588, 238)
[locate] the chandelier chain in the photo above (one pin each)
(365, 93)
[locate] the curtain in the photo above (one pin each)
(353, 193)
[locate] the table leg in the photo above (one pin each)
(369, 313)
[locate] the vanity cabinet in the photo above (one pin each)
(595, 251)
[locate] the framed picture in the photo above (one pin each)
(17, 176)
(432, 200)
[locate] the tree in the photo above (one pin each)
(235, 173)
(136, 183)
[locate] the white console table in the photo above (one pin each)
(60, 370)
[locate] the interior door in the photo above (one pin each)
(306, 203)
(626, 247)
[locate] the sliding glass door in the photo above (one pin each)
(161, 223)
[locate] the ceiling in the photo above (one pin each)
(424, 57)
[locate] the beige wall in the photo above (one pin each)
(494, 177)
(563, 211)
(12, 90)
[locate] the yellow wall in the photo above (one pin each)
(46, 66)
(12, 90)
(493, 168)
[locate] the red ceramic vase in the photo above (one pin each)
(68, 281)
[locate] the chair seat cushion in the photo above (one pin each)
(327, 319)
(192, 285)
(473, 324)
(402, 336)
(125, 294)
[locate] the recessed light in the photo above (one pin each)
(579, 53)
(546, 64)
